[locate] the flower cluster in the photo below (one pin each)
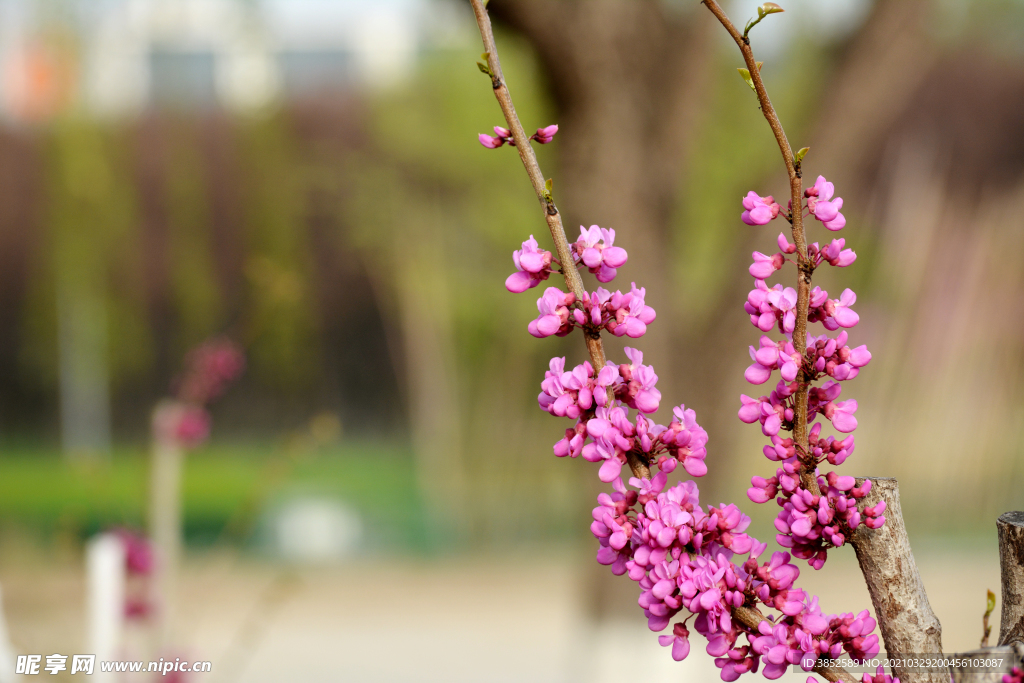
(775, 307)
(834, 253)
(881, 677)
(209, 368)
(605, 432)
(139, 563)
(680, 553)
(533, 266)
(1016, 675)
(595, 250)
(810, 522)
(681, 557)
(758, 210)
(503, 135)
(821, 205)
(184, 424)
(619, 313)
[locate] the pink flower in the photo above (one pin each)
(545, 135)
(758, 210)
(632, 315)
(785, 246)
(490, 142)
(835, 253)
(210, 367)
(533, 266)
(689, 440)
(503, 135)
(840, 312)
(679, 640)
(750, 410)
(193, 427)
(882, 677)
(595, 248)
(841, 415)
(784, 301)
(764, 266)
(184, 424)
(138, 551)
(823, 207)
(639, 391)
(554, 313)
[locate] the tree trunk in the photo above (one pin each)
(1011, 565)
(905, 618)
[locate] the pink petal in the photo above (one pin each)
(846, 317)
(860, 356)
(490, 142)
(844, 422)
(757, 374)
(750, 411)
(695, 467)
(610, 470)
(635, 328)
(547, 325)
(519, 282)
(825, 211)
(767, 356)
(532, 262)
(680, 649)
(837, 223)
(591, 257)
(647, 401)
(615, 257)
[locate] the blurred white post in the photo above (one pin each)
(165, 532)
(105, 586)
(6, 649)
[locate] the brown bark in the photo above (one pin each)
(905, 617)
(1009, 655)
(1011, 565)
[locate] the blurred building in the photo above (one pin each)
(116, 57)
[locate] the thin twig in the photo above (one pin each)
(573, 281)
(804, 266)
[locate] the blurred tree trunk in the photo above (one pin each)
(879, 73)
(626, 76)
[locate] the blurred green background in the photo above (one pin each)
(345, 227)
(304, 177)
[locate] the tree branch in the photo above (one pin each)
(751, 618)
(804, 266)
(905, 617)
(573, 281)
(1011, 566)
